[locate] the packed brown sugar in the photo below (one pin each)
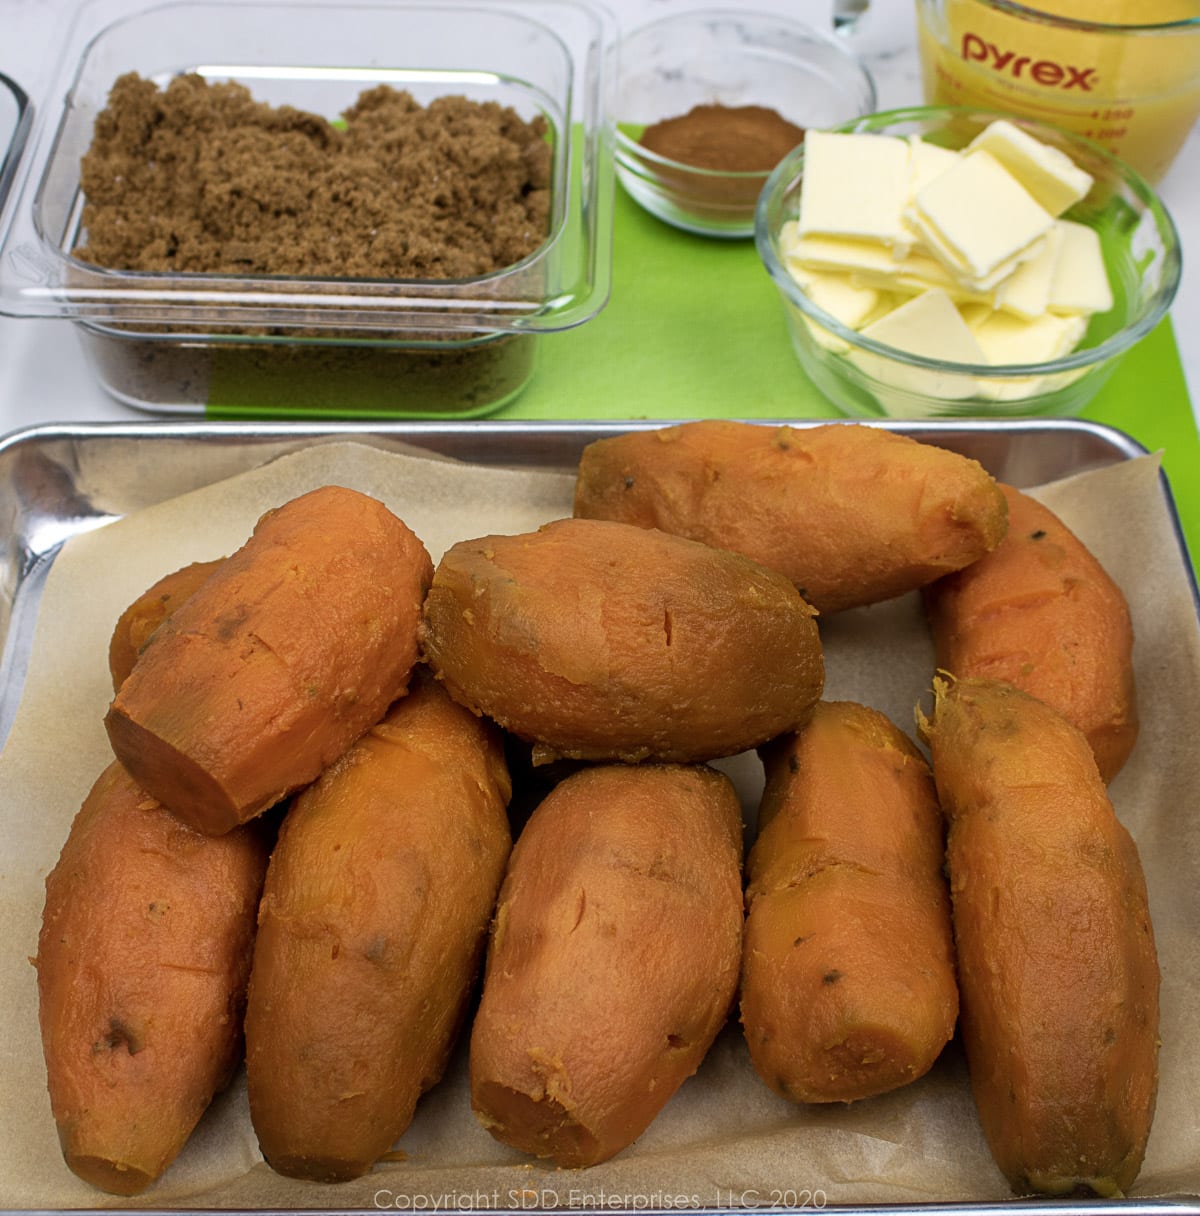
(200, 177)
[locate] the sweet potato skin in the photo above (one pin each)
(1040, 612)
(138, 622)
(1057, 967)
(848, 984)
(603, 641)
(613, 960)
(852, 514)
(371, 931)
(277, 663)
(142, 964)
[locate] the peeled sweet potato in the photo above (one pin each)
(602, 641)
(1057, 967)
(848, 986)
(852, 514)
(142, 965)
(276, 664)
(372, 927)
(136, 624)
(613, 960)
(1040, 612)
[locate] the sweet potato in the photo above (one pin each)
(1057, 966)
(604, 641)
(270, 670)
(142, 965)
(1041, 612)
(613, 960)
(371, 930)
(147, 612)
(848, 986)
(852, 514)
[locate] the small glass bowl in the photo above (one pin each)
(728, 58)
(864, 378)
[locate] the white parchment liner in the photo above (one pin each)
(724, 1139)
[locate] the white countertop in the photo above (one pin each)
(43, 374)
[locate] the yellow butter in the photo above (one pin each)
(1049, 175)
(854, 186)
(1080, 282)
(1026, 292)
(1007, 339)
(980, 214)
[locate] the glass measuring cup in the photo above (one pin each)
(1125, 73)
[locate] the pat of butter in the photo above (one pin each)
(873, 265)
(1050, 175)
(835, 294)
(854, 186)
(1007, 339)
(1026, 291)
(979, 216)
(1080, 283)
(928, 325)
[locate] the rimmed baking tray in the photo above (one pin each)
(57, 482)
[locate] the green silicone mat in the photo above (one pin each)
(694, 328)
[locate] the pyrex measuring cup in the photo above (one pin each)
(1125, 73)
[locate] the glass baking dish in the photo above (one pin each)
(262, 345)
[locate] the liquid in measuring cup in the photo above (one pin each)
(1080, 64)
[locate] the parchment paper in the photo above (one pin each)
(724, 1139)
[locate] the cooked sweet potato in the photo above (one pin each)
(288, 652)
(372, 927)
(1057, 966)
(1040, 612)
(604, 641)
(848, 986)
(613, 960)
(852, 514)
(142, 965)
(147, 612)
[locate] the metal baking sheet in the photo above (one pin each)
(57, 482)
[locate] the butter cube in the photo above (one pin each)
(927, 325)
(1080, 283)
(1049, 174)
(1026, 291)
(979, 217)
(1007, 339)
(854, 186)
(835, 294)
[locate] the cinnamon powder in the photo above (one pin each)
(729, 139)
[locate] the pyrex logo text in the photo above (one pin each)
(1047, 72)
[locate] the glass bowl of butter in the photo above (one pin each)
(947, 262)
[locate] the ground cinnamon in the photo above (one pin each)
(729, 139)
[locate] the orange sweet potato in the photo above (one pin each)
(601, 641)
(1041, 612)
(270, 670)
(147, 612)
(613, 960)
(848, 985)
(1057, 966)
(142, 965)
(371, 931)
(851, 514)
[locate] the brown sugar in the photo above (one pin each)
(200, 177)
(730, 139)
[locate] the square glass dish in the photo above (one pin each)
(312, 345)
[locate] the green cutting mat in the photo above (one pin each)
(695, 329)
